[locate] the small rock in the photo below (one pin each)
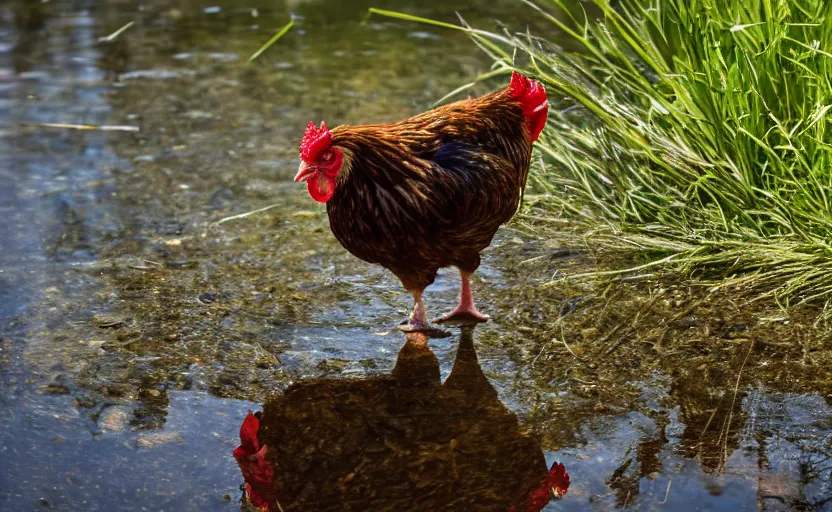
(208, 297)
(162, 438)
(222, 198)
(56, 388)
(333, 364)
(185, 382)
(108, 321)
(114, 419)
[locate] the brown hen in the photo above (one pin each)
(430, 191)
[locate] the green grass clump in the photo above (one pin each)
(700, 133)
(709, 140)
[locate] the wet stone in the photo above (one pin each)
(106, 321)
(56, 388)
(222, 198)
(333, 365)
(114, 419)
(208, 297)
(148, 419)
(185, 382)
(159, 439)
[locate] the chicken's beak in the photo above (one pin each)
(306, 172)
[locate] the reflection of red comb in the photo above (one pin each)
(554, 484)
(314, 142)
(533, 100)
(251, 458)
(558, 480)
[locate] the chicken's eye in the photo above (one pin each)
(327, 156)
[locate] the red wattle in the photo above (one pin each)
(321, 187)
(248, 434)
(537, 121)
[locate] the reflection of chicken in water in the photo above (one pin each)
(400, 442)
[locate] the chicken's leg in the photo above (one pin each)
(465, 312)
(418, 321)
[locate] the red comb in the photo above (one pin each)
(532, 98)
(314, 142)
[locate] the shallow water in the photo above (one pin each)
(136, 333)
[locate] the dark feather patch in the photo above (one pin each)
(454, 156)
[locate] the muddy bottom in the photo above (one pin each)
(136, 332)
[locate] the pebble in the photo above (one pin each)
(56, 389)
(114, 419)
(106, 321)
(162, 438)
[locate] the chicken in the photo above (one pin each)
(430, 191)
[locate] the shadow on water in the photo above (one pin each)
(406, 441)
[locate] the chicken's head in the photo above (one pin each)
(320, 162)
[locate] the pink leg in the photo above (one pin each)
(418, 321)
(465, 312)
(418, 317)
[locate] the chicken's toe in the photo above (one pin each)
(462, 318)
(431, 331)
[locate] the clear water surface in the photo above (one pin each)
(135, 334)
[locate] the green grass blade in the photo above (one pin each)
(280, 33)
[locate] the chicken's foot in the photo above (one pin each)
(465, 313)
(418, 321)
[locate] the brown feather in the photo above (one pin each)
(394, 203)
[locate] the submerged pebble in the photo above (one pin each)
(114, 419)
(159, 439)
